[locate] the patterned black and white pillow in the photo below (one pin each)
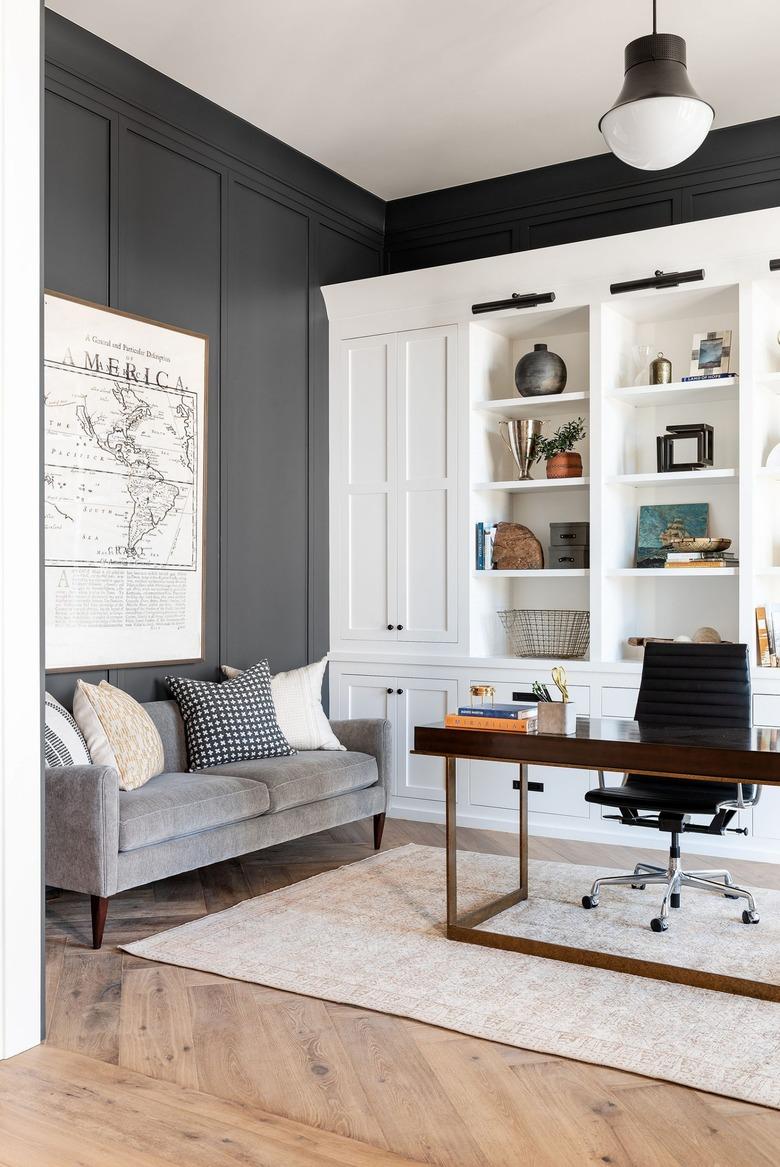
(229, 722)
(64, 743)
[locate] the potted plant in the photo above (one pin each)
(563, 461)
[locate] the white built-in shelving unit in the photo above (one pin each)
(419, 387)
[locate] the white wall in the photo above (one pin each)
(20, 469)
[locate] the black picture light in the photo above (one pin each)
(530, 300)
(661, 279)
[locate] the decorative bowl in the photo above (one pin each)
(700, 544)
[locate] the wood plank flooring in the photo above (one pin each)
(288, 1076)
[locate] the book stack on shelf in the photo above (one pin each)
(485, 537)
(701, 559)
(711, 377)
(513, 718)
(768, 636)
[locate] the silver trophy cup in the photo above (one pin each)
(520, 440)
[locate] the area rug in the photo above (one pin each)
(369, 934)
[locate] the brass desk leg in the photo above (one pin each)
(461, 927)
(522, 832)
(452, 842)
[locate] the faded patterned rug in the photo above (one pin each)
(370, 934)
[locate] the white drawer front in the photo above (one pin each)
(766, 709)
(618, 702)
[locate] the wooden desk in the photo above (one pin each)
(723, 755)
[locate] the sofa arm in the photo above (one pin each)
(369, 737)
(82, 828)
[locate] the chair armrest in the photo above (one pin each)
(369, 737)
(82, 828)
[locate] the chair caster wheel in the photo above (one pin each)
(659, 924)
(639, 886)
(750, 917)
(590, 901)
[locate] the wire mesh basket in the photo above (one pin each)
(548, 632)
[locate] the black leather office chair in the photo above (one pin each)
(684, 684)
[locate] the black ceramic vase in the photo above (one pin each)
(540, 373)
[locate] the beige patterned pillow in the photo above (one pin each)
(119, 733)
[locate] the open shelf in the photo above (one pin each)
(534, 484)
(516, 407)
(679, 392)
(673, 477)
(536, 573)
(670, 573)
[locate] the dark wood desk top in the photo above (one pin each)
(727, 755)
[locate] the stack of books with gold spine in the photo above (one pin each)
(513, 718)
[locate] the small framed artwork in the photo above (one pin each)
(711, 354)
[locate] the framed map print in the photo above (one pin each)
(124, 487)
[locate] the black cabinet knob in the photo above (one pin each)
(389, 628)
(389, 690)
(400, 627)
(399, 691)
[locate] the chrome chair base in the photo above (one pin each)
(675, 879)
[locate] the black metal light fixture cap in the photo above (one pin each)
(656, 66)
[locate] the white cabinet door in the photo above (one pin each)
(427, 436)
(367, 697)
(365, 465)
(421, 702)
(766, 816)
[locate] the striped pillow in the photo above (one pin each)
(64, 743)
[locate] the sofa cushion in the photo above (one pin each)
(168, 719)
(172, 805)
(308, 776)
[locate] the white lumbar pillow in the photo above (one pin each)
(297, 697)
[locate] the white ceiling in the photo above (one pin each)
(404, 96)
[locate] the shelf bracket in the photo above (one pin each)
(669, 279)
(529, 300)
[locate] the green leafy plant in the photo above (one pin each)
(562, 441)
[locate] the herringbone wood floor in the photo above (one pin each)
(392, 1084)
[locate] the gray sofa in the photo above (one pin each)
(101, 840)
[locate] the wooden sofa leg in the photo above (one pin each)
(379, 826)
(99, 910)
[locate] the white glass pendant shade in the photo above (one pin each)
(657, 132)
(658, 119)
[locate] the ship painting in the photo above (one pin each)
(660, 526)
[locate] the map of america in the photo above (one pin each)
(121, 473)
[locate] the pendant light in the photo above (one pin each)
(658, 119)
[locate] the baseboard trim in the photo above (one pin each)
(755, 850)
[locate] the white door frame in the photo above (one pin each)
(20, 525)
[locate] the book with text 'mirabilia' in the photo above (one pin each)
(516, 711)
(507, 724)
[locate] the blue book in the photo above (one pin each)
(480, 546)
(514, 712)
(708, 376)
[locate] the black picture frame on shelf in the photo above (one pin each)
(704, 436)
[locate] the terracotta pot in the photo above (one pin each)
(565, 465)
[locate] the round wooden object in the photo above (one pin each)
(706, 635)
(515, 548)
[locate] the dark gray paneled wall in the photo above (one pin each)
(737, 169)
(160, 203)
